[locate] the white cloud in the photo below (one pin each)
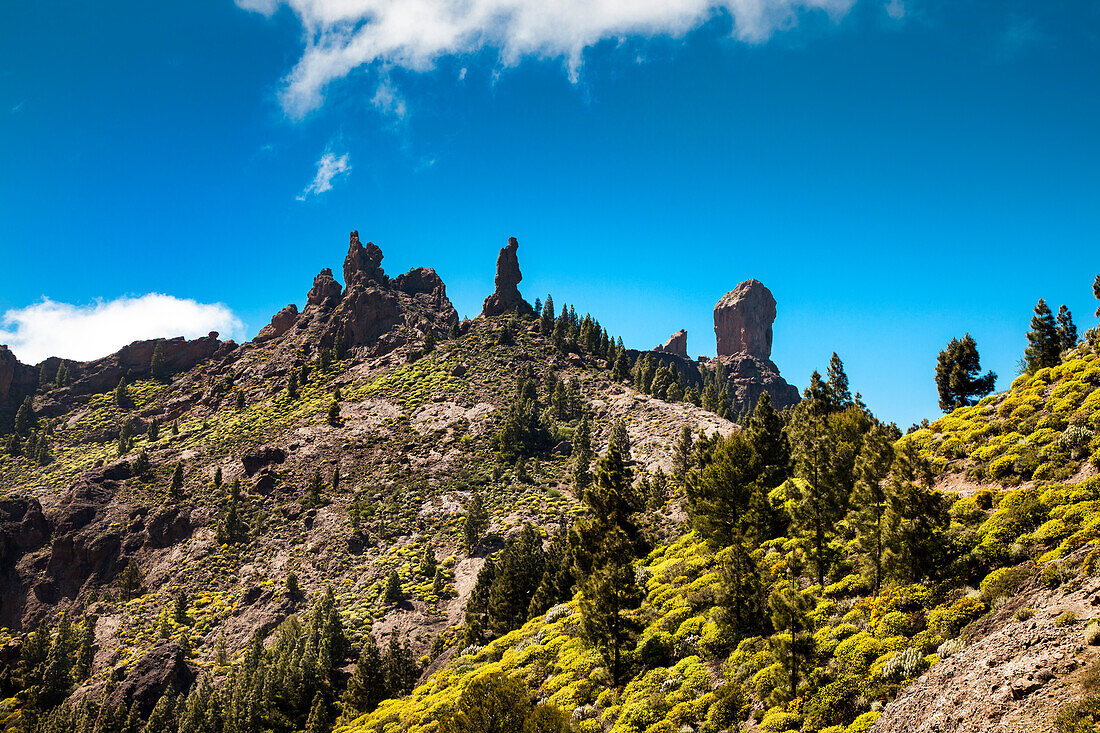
(388, 100)
(329, 167)
(84, 332)
(895, 9)
(343, 35)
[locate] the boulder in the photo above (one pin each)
(743, 321)
(506, 298)
(676, 344)
(281, 322)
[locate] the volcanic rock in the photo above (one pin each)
(16, 381)
(743, 320)
(676, 344)
(325, 289)
(162, 667)
(281, 322)
(265, 455)
(168, 525)
(506, 298)
(363, 263)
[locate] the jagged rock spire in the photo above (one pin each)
(506, 298)
(363, 263)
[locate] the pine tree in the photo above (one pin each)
(1044, 342)
(157, 364)
(682, 456)
(313, 492)
(1067, 330)
(475, 523)
(604, 548)
(122, 395)
(85, 652)
(336, 478)
(519, 569)
(817, 504)
(179, 609)
(429, 342)
(162, 718)
(334, 413)
(292, 385)
(869, 502)
(129, 581)
(770, 442)
(789, 613)
(240, 403)
(836, 386)
(175, 489)
(582, 457)
(393, 593)
(957, 370)
(25, 419)
(318, 721)
(367, 686)
(915, 520)
(1096, 293)
(232, 529)
(620, 439)
(62, 378)
(427, 561)
(153, 433)
(399, 668)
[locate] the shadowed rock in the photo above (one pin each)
(506, 298)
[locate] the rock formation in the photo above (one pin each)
(325, 289)
(363, 263)
(743, 321)
(16, 381)
(281, 322)
(743, 328)
(506, 298)
(677, 344)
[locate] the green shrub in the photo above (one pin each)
(949, 620)
(1004, 582)
(1069, 618)
(864, 723)
(1092, 633)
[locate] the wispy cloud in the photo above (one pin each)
(329, 168)
(343, 35)
(84, 332)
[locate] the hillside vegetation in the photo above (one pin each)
(515, 524)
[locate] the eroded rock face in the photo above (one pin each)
(281, 322)
(677, 344)
(16, 381)
(325, 289)
(162, 667)
(363, 263)
(743, 321)
(506, 298)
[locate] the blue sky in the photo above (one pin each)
(897, 172)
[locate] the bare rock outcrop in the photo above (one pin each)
(506, 298)
(162, 668)
(677, 344)
(743, 320)
(1014, 670)
(281, 322)
(363, 263)
(16, 381)
(325, 290)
